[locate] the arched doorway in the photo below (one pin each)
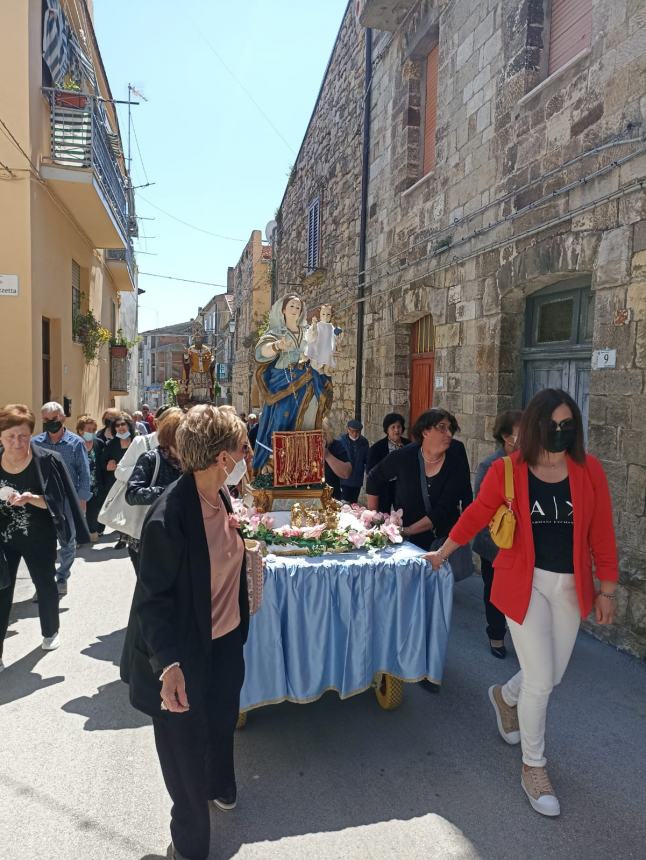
(558, 341)
(422, 366)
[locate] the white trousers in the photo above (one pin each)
(544, 644)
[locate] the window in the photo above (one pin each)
(76, 294)
(570, 31)
(313, 235)
(430, 112)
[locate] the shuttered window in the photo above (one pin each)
(430, 112)
(76, 296)
(313, 235)
(570, 30)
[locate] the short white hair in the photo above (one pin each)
(52, 406)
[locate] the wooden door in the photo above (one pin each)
(421, 385)
(422, 366)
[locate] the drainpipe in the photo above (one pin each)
(363, 223)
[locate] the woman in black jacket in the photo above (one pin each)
(394, 426)
(182, 657)
(430, 480)
(153, 472)
(35, 488)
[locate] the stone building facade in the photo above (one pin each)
(251, 303)
(506, 226)
(325, 185)
(216, 317)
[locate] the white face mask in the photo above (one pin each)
(124, 435)
(237, 473)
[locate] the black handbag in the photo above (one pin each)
(5, 576)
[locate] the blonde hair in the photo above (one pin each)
(81, 421)
(167, 425)
(204, 432)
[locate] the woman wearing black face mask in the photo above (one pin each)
(543, 583)
(123, 432)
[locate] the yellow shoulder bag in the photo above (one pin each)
(503, 523)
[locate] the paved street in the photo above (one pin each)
(79, 777)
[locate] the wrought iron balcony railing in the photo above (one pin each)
(80, 138)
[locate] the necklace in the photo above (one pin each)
(207, 502)
(432, 462)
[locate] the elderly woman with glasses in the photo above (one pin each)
(189, 619)
(430, 479)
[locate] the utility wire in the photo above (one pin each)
(184, 280)
(187, 224)
(243, 88)
(141, 160)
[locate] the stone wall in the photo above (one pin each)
(328, 166)
(251, 299)
(536, 182)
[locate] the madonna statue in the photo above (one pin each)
(294, 394)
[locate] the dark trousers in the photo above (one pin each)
(195, 749)
(92, 509)
(134, 557)
(496, 625)
(40, 558)
(350, 494)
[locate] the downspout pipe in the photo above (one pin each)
(363, 225)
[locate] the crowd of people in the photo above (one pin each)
(183, 658)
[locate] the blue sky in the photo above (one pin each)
(215, 160)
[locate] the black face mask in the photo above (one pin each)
(52, 426)
(560, 440)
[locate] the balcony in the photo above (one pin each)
(384, 14)
(223, 372)
(119, 370)
(82, 168)
(122, 267)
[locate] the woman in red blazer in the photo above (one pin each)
(544, 583)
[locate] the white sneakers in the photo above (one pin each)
(51, 643)
(506, 716)
(538, 788)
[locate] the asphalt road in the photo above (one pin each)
(79, 777)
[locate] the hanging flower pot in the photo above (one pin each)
(119, 351)
(70, 99)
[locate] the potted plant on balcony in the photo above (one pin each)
(70, 96)
(89, 332)
(120, 345)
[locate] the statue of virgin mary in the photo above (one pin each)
(294, 394)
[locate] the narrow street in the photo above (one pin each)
(331, 779)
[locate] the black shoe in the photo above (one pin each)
(61, 585)
(227, 801)
(498, 651)
(120, 544)
(429, 686)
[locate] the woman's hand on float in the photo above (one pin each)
(436, 559)
(173, 692)
(605, 608)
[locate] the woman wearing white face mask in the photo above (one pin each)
(190, 614)
(86, 428)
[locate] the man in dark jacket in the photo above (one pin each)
(357, 447)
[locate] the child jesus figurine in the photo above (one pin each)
(321, 339)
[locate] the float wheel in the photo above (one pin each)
(389, 691)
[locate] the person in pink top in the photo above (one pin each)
(183, 657)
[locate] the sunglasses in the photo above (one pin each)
(120, 424)
(566, 424)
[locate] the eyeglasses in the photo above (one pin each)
(442, 428)
(120, 424)
(566, 424)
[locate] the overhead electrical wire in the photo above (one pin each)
(187, 223)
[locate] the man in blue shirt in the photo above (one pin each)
(356, 447)
(72, 451)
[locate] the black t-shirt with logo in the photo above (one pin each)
(25, 523)
(552, 516)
